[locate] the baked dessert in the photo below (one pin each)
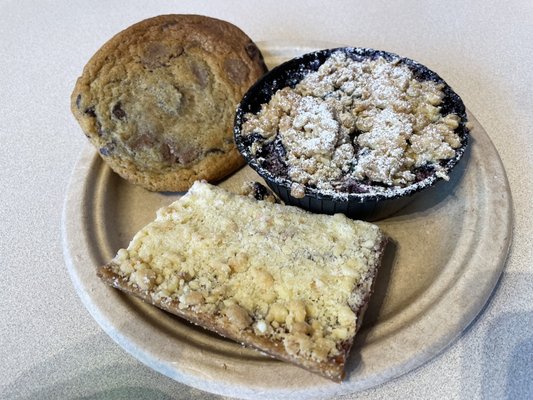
(256, 272)
(351, 124)
(258, 191)
(158, 99)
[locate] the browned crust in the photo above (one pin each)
(371, 279)
(218, 41)
(211, 168)
(332, 368)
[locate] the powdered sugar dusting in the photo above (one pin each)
(369, 122)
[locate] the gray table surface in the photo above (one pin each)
(50, 348)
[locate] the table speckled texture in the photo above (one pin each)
(51, 348)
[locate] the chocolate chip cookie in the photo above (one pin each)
(158, 99)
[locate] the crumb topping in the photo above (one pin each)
(258, 266)
(370, 122)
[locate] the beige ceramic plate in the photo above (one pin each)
(448, 250)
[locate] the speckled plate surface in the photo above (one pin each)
(448, 250)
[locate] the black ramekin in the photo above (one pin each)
(369, 206)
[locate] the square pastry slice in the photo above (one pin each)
(287, 282)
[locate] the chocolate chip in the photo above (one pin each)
(118, 112)
(78, 101)
(141, 141)
(167, 152)
(237, 70)
(156, 55)
(90, 112)
(101, 131)
(187, 155)
(214, 30)
(172, 154)
(252, 50)
(201, 74)
(108, 149)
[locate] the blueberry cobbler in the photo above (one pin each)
(356, 126)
